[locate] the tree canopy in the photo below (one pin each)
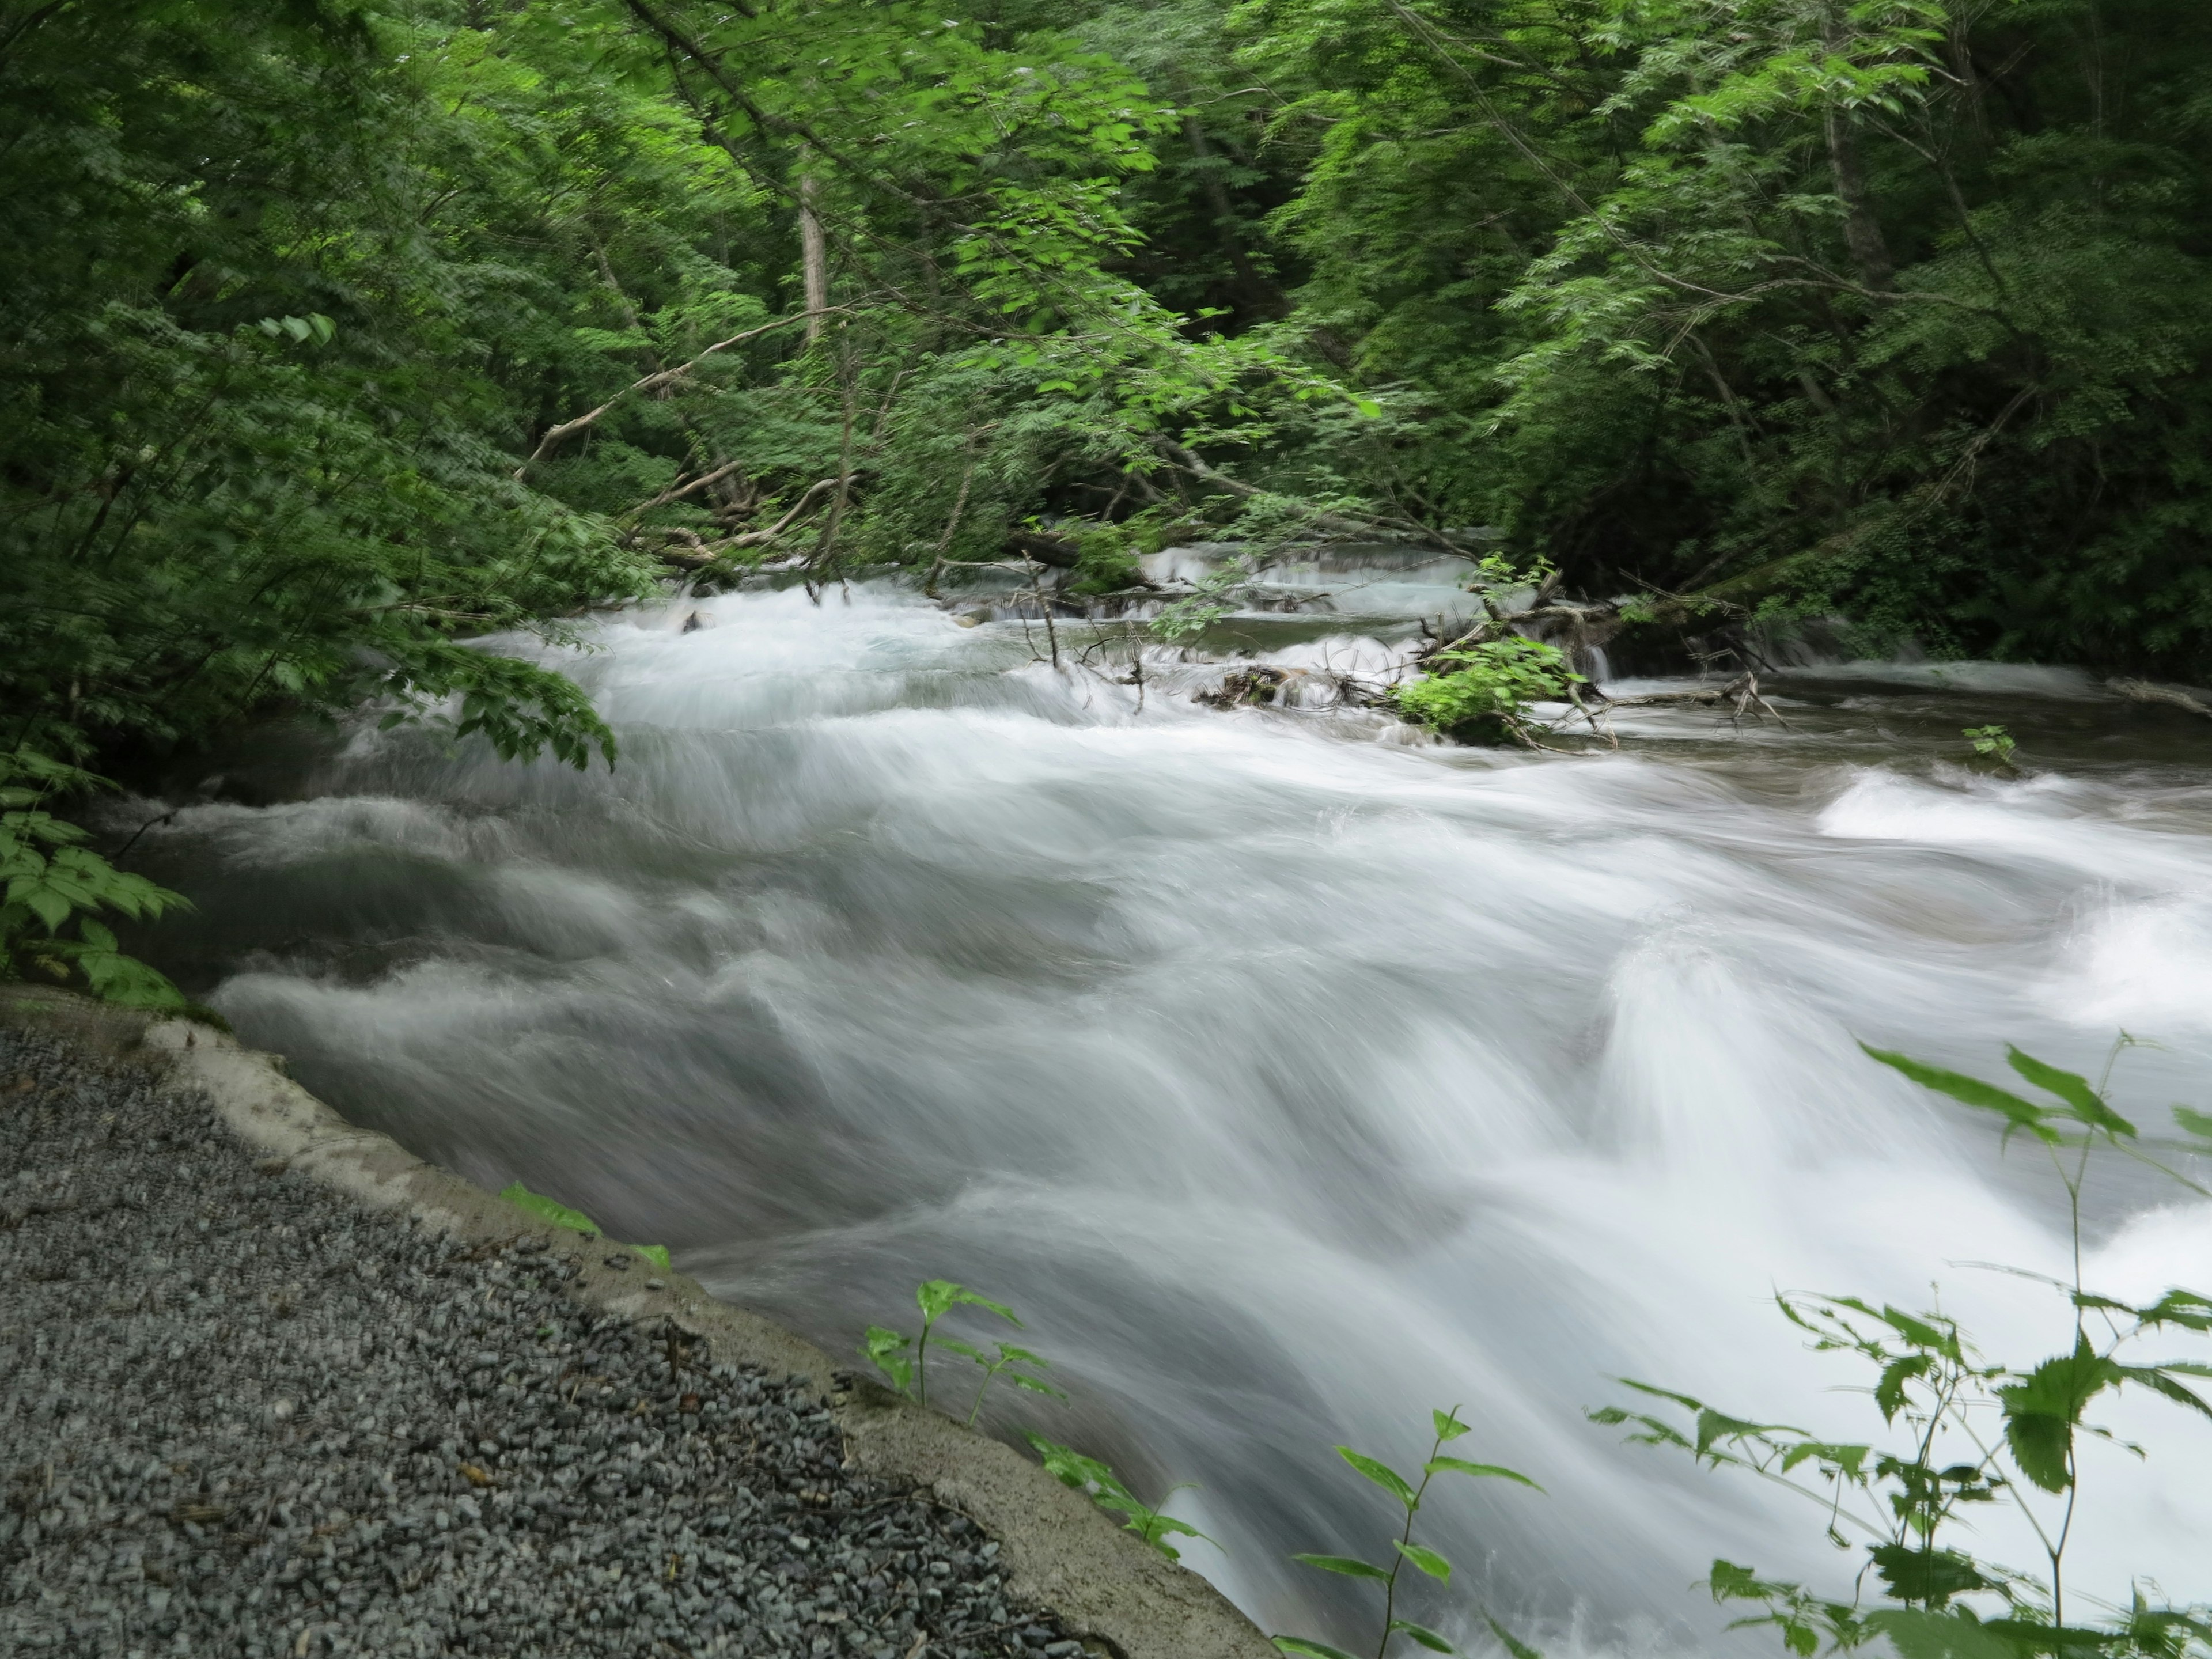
(337, 334)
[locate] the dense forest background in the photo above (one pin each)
(332, 334)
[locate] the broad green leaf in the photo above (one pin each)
(1380, 1473)
(1421, 1633)
(1427, 1560)
(1306, 1650)
(1483, 1471)
(936, 1297)
(550, 1210)
(1350, 1567)
(2074, 1090)
(1918, 1635)
(2196, 1123)
(1927, 1575)
(2044, 1408)
(1448, 1427)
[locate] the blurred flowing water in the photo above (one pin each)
(1288, 1077)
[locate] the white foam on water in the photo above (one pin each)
(1288, 1086)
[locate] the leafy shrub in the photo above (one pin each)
(1484, 698)
(57, 887)
(1432, 1562)
(1968, 1436)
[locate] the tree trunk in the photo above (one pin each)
(814, 258)
(1861, 230)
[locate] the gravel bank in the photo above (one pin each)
(240, 1414)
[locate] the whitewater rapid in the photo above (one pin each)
(1288, 1077)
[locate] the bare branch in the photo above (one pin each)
(654, 381)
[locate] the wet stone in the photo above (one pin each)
(241, 1416)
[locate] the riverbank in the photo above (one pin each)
(274, 1386)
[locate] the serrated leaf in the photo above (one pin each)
(2043, 1409)
(1481, 1471)
(1889, 1389)
(1427, 1560)
(1350, 1566)
(1380, 1473)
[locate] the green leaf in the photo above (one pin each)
(1427, 1560)
(1380, 1473)
(1298, 1644)
(550, 1210)
(1448, 1427)
(2196, 1123)
(2074, 1090)
(2044, 1408)
(2159, 1380)
(1889, 1390)
(936, 1297)
(2019, 1114)
(1421, 1633)
(1481, 1471)
(1511, 1643)
(1918, 1635)
(887, 1351)
(1350, 1567)
(1927, 1575)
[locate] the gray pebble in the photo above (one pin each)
(241, 1416)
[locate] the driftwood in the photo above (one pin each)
(2173, 697)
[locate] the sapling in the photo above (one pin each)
(1097, 1481)
(905, 1359)
(1410, 1496)
(1968, 1436)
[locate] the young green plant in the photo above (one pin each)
(1105, 1488)
(905, 1359)
(1905, 1502)
(1410, 1496)
(1992, 743)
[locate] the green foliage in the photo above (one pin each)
(53, 888)
(555, 1213)
(1103, 1487)
(1992, 743)
(904, 1360)
(1897, 309)
(1409, 1497)
(1484, 695)
(1910, 1503)
(550, 1210)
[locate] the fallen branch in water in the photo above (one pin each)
(2173, 697)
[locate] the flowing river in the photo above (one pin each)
(1287, 1076)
